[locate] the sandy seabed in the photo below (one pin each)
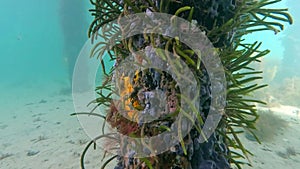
(283, 152)
(37, 131)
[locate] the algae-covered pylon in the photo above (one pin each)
(225, 23)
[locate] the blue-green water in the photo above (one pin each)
(39, 43)
(38, 36)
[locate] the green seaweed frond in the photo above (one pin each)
(241, 113)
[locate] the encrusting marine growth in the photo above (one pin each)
(224, 22)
